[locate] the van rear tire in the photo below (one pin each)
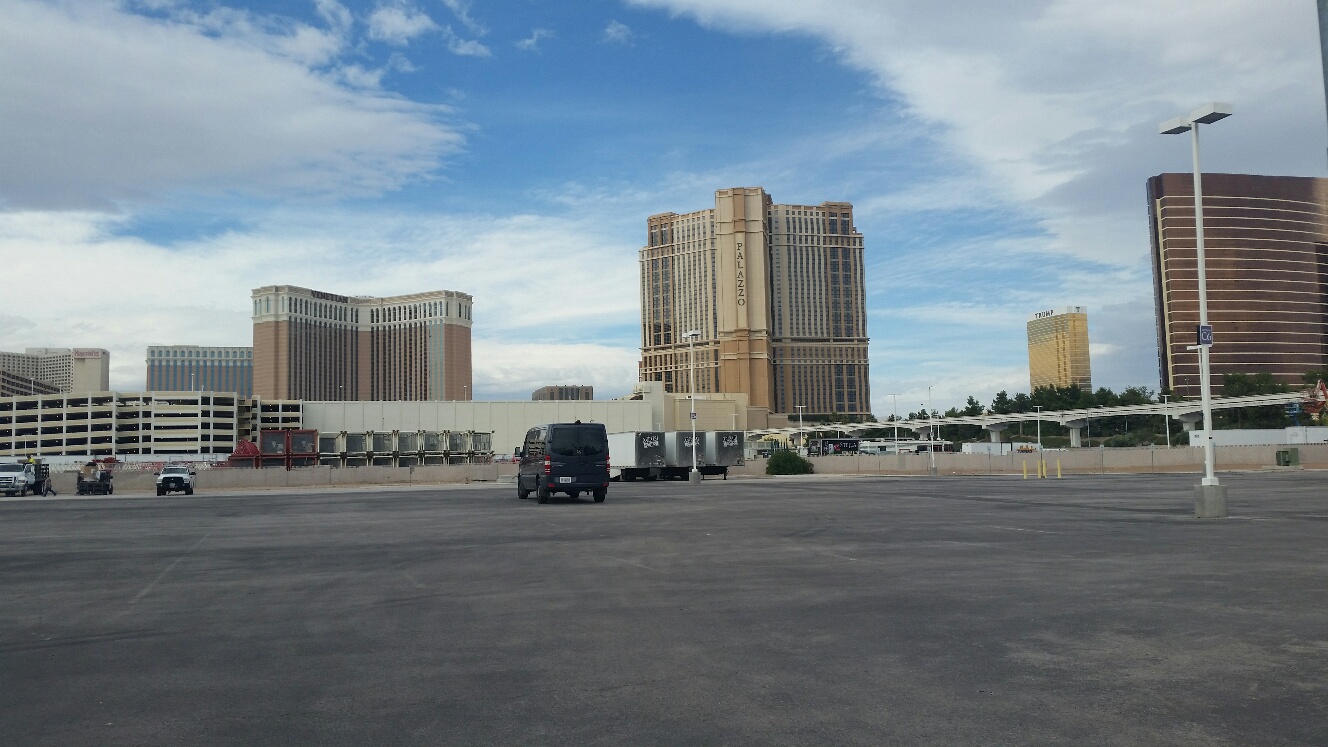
(541, 494)
(600, 494)
(521, 493)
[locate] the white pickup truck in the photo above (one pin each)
(19, 479)
(175, 478)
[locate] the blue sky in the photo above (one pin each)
(513, 149)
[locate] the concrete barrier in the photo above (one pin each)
(1072, 461)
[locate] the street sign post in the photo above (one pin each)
(1206, 335)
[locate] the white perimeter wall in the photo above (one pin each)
(507, 421)
(1263, 436)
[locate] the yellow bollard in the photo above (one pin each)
(1058, 469)
(1025, 469)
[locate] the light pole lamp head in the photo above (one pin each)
(1206, 114)
(694, 334)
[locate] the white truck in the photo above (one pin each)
(176, 478)
(636, 455)
(19, 479)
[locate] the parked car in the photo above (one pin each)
(176, 478)
(571, 458)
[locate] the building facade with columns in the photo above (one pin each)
(776, 294)
(316, 345)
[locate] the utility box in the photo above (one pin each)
(1288, 457)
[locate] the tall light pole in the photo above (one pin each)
(1323, 42)
(695, 475)
(1166, 417)
(894, 414)
(802, 437)
(1210, 498)
(1039, 408)
(931, 440)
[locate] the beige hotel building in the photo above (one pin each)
(313, 345)
(777, 294)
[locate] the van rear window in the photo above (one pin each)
(578, 442)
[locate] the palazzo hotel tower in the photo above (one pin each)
(776, 293)
(314, 345)
(1266, 245)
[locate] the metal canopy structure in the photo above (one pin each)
(1175, 410)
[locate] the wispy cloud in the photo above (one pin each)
(398, 23)
(531, 43)
(461, 9)
(115, 108)
(464, 47)
(197, 290)
(617, 33)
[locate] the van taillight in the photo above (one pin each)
(548, 465)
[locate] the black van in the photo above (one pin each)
(566, 458)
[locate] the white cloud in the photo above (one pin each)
(1055, 102)
(531, 43)
(461, 9)
(617, 33)
(511, 370)
(464, 47)
(399, 22)
(552, 295)
(112, 107)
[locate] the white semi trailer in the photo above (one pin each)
(636, 455)
(723, 449)
(678, 454)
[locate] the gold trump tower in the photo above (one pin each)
(1058, 349)
(776, 293)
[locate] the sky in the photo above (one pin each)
(162, 158)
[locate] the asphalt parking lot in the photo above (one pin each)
(946, 611)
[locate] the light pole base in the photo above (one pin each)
(932, 471)
(694, 477)
(1210, 501)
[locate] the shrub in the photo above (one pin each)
(787, 463)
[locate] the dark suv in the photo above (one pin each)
(566, 458)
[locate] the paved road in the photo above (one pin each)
(951, 611)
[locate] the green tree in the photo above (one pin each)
(787, 463)
(1247, 385)
(1002, 405)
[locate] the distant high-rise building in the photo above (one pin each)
(190, 368)
(67, 369)
(776, 293)
(1058, 349)
(1266, 246)
(563, 392)
(314, 345)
